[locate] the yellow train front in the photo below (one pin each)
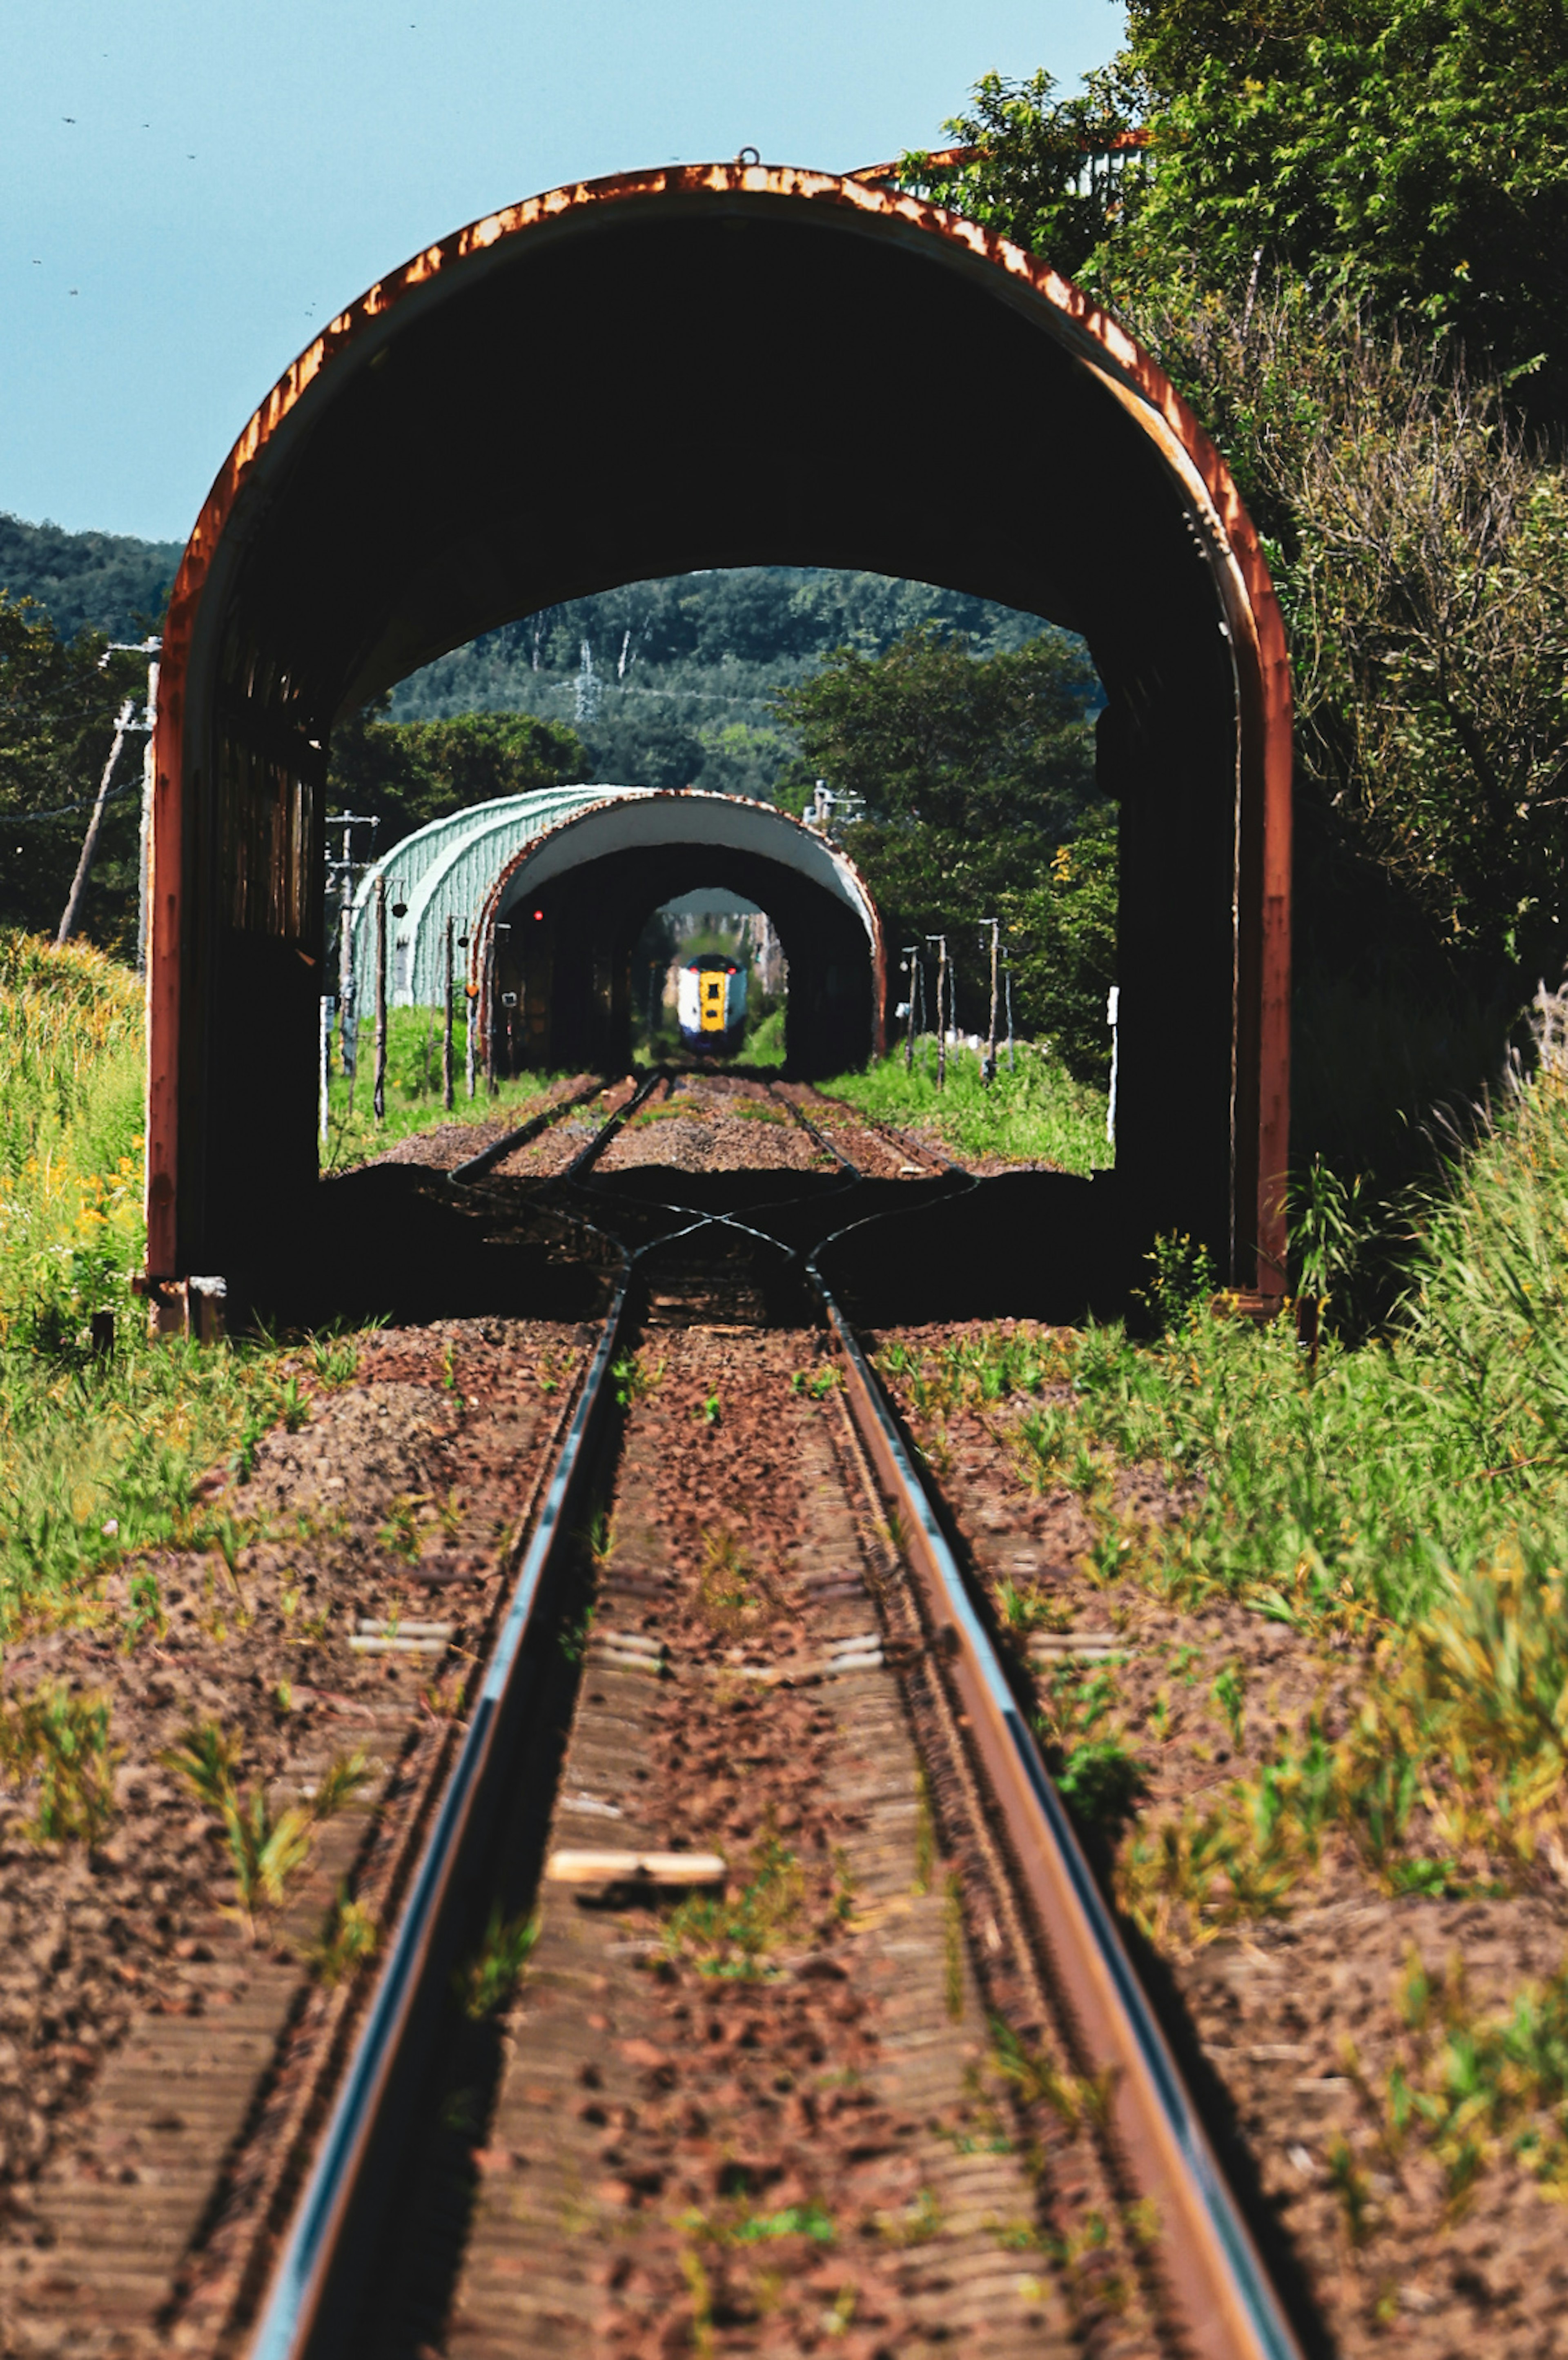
(711, 1005)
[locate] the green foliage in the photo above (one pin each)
(1032, 1113)
(485, 1982)
(268, 1849)
(968, 773)
(729, 1936)
(415, 1095)
(56, 717)
(61, 1742)
(104, 582)
(687, 665)
(408, 773)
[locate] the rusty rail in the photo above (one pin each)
(1229, 2309)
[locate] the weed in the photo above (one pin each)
(401, 1534)
(729, 1936)
(575, 1636)
(267, 1849)
(1353, 2190)
(485, 1982)
(294, 1406)
(924, 1833)
(726, 1590)
(794, 2221)
(145, 1610)
(61, 1742)
(1039, 2081)
(1230, 1695)
(953, 1947)
(710, 1410)
(815, 1383)
(348, 1941)
(699, 2288)
(918, 2225)
(336, 1361)
(1030, 1610)
(600, 1535)
(283, 1698)
(636, 1377)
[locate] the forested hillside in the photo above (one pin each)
(88, 580)
(683, 668)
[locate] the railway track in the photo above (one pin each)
(792, 2016)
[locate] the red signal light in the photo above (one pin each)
(538, 914)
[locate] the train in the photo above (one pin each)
(710, 1003)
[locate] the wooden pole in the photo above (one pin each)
(380, 1098)
(90, 841)
(990, 1072)
(941, 943)
(446, 1093)
(912, 969)
(488, 997)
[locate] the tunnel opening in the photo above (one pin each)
(381, 507)
(718, 923)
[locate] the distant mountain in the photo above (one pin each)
(679, 670)
(99, 580)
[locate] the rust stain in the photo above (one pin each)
(1099, 342)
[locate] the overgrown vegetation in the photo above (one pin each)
(414, 1092)
(1403, 1502)
(101, 1450)
(971, 780)
(1034, 1112)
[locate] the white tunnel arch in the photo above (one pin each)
(477, 865)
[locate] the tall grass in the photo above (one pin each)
(414, 1090)
(99, 1454)
(1034, 1113)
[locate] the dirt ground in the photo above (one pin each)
(1295, 2018)
(394, 1498)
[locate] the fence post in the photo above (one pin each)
(447, 1032)
(380, 1098)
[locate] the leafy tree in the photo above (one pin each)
(1408, 155)
(965, 775)
(408, 773)
(1061, 930)
(57, 703)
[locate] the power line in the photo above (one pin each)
(65, 811)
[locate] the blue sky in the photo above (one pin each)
(189, 188)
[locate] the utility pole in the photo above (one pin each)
(90, 841)
(379, 1100)
(446, 1027)
(470, 1001)
(1007, 978)
(941, 943)
(1113, 1007)
(988, 1071)
(911, 968)
(341, 873)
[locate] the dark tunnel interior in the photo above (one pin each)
(773, 375)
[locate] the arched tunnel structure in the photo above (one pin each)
(789, 367)
(548, 892)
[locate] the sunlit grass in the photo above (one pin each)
(100, 1455)
(414, 1093)
(1032, 1113)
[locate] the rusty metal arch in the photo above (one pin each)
(832, 330)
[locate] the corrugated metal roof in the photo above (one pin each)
(446, 870)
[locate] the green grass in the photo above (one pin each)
(1035, 1114)
(99, 1457)
(413, 1090)
(1403, 1503)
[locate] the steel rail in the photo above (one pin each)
(476, 1166)
(300, 2280)
(1215, 2275)
(1216, 2278)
